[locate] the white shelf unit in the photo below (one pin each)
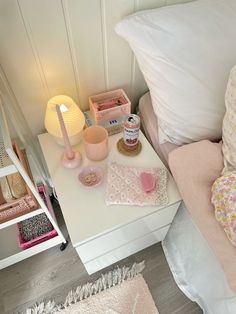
(10, 252)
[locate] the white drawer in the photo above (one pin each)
(126, 250)
(120, 236)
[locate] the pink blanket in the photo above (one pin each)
(195, 167)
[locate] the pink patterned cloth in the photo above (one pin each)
(124, 186)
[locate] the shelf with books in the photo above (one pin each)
(12, 161)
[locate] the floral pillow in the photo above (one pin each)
(224, 188)
(229, 124)
(224, 200)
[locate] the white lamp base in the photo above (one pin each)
(71, 163)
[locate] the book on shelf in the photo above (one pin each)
(113, 126)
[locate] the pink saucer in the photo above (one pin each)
(91, 176)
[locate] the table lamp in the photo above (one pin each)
(72, 116)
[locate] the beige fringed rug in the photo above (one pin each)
(121, 291)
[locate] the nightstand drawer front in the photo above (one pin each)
(130, 232)
(126, 250)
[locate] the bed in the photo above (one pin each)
(186, 53)
(200, 256)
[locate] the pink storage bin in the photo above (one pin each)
(109, 105)
(44, 237)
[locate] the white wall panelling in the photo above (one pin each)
(18, 63)
(85, 23)
(66, 47)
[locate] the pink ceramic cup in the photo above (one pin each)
(95, 140)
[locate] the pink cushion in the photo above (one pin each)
(195, 167)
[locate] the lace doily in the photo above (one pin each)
(124, 186)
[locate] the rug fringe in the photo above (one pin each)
(106, 281)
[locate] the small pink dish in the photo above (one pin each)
(91, 176)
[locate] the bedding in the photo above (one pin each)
(195, 167)
(150, 126)
(224, 188)
(185, 53)
(195, 266)
(229, 124)
(224, 200)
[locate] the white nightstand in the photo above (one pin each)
(103, 235)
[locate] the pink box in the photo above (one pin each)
(27, 244)
(109, 105)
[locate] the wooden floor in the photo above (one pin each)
(53, 273)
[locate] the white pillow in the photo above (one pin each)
(185, 53)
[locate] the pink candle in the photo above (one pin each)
(68, 149)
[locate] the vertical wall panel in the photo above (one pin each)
(19, 65)
(86, 29)
(149, 4)
(169, 2)
(45, 24)
(118, 55)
